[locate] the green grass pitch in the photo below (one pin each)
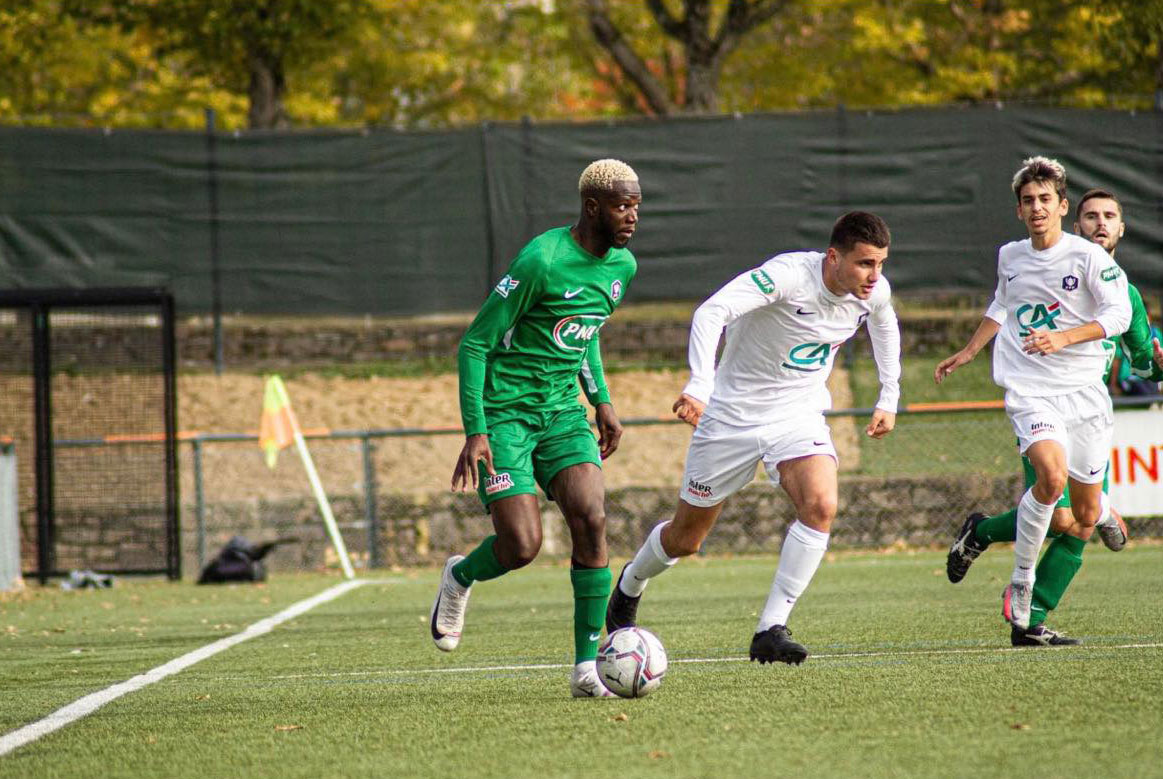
(910, 676)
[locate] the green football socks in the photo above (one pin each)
(1000, 527)
(1053, 575)
(591, 590)
(480, 565)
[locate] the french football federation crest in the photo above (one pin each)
(1070, 283)
(616, 289)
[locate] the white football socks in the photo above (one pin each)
(803, 549)
(1105, 515)
(650, 561)
(1033, 524)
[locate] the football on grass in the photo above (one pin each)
(631, 662)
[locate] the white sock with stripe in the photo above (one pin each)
(803, 549)
(1033, 524)
(650, 561)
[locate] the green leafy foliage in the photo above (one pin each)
(422, 64)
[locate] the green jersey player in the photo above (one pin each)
(1099, 218)
(520, 363)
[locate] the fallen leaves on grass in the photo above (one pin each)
(288, 727)
(1019, 726)
(621, 717)
(657, 754)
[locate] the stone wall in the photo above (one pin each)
(874, 513)
(258, 345)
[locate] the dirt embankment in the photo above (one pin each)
(649, 455)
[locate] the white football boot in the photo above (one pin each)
(1113, 532)
(584, 682)
(1016, 600)
(447, 618)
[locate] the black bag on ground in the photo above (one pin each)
(239, 561)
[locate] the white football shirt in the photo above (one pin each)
(1072, 283)
(783, 331)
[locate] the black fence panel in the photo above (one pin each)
(384, 222)
(88, 397)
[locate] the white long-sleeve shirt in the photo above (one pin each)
(783, 331)
(1072, 283)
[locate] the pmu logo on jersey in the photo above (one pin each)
(1111, 273)
(575, 332)
(763, 281)
(1070, 283)
(502, 481)
(506, 285)
(808, 357)
(1037, 316)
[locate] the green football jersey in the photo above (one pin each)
(537, 333)
(1134, 345)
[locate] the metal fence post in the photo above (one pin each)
(369, 501)
(215, 265)
(199, 502)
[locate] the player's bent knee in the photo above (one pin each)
(818, 512)
(522, 556)
(1050, 485)
(518, 550)
(595, 520)
(1087, 516)
(1062, 521)
(684, 544)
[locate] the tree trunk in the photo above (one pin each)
(266, 90)
(1159, 81)
(702, 88)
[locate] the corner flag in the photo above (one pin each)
(278, 429)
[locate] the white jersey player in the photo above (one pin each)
(1057, 296)
(785, 321)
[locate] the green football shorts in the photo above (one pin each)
(530, 450)
(1064, 501)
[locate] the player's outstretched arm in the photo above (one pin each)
(609, 429)
(476, 448)
(688, 409)
(983, 335)
(881, 424)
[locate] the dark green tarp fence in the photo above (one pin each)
(384, 222)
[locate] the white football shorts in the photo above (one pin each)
(1081, 422)
(721, 458)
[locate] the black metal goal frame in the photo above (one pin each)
(39, 303)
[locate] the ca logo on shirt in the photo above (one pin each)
(808, 357)
(1033, 316)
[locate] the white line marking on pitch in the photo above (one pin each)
(90, 703)
(699, 660)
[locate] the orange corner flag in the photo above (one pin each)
(277, 429)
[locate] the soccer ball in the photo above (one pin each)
(631, 662)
